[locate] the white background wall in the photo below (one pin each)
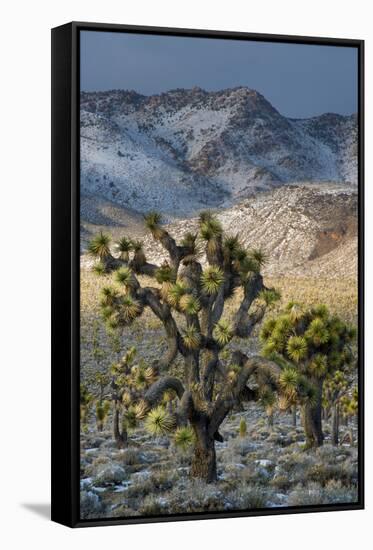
(25, 269)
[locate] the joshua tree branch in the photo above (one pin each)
(155, 393)
(163, 311)
(257, 366)
(242, 322)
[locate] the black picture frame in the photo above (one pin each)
(66, 269)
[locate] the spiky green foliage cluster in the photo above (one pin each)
(223, 332)
(210, 227)
(189, 304)
(296, 348)
(349, 403)
(212, 278)
(288, 381)
(191, 246)
(99, 268)
(153, 223)
(259, 256)
(184, 438)
(124, 246)
(307, 342)
(165, 274)
(159, 422)
(118, 310)
(175, 292)
(269, 296)
(99, 246)
(231, 245)
(192, 337)
(124, 276)
(102, 410)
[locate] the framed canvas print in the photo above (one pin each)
(207, 276)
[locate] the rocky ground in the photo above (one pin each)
(266, 468)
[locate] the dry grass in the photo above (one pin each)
(340, 295)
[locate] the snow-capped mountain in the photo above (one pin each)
(189, 149)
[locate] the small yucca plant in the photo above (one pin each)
(184, 438)
(242, 430)
(124, 246)
(139, 258)
(212, 278)
(223, 332)
(99, 246)
(159, 422)
(99, 268)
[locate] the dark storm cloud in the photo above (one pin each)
(299, 80)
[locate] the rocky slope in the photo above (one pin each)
(305, 229)
(187, 149)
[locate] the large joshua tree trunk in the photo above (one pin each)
(312, 421)
(204, 459)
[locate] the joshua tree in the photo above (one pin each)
(335, 388)
(129, 382)
(349, 405)
(190, 302)
(309, 345)
(86, 399)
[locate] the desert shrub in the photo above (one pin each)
(304, 496)
(131, 456)
(246, 498)
(153, 506)
(281, 482)
(324, 473)
(91, 505)
(314, 494)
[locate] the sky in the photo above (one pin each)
(299, 80)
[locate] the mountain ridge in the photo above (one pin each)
(188, 149)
